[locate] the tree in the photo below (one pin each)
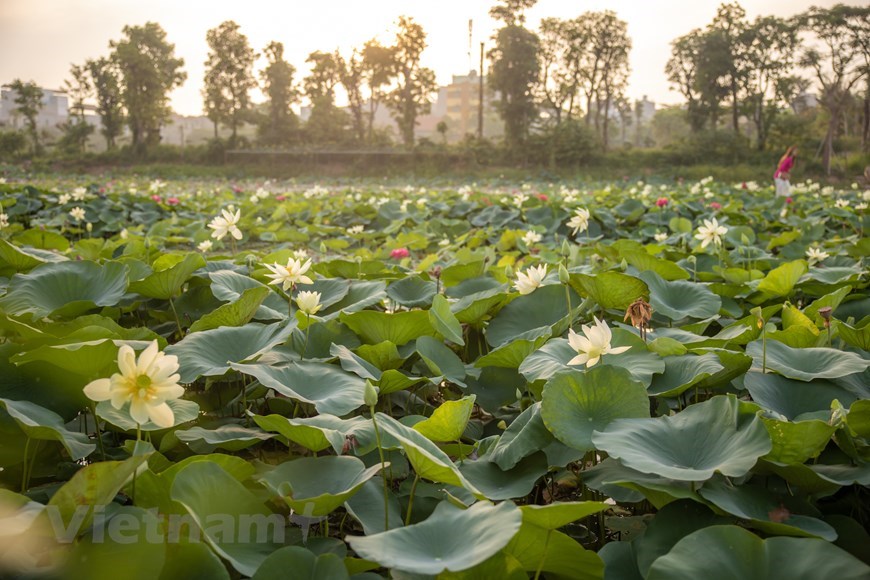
(682, 71)
(76, 131)
(838, 64)
(561, 45)
(351, 72)
(770, 44)
(377, 64)
(28, 103)
(610, 45)
(280, 125)
(514, 71)
(327, 123)
(149, 71)
(442, 129)
(414, 82)
(106, 80)
(229, 77)
(730, 24)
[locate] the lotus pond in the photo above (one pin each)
(268, 380)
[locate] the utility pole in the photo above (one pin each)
(480, 98)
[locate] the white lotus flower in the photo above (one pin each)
(358, 229)
(64, 198)
(146, 384)
(4, 220)
(227, 223)
(841, 203)
(531, 237)
(526, 283)
(661, 236)
(77, 213)
(580, 221)
(594, 343)
(300, 253)
(291, 274)
(816, 255)
(204, 246)
(711, 231)
(308, 302)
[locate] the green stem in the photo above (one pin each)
(763, 348)
(99, 434)
(177, 320)
(24, 478)
(383, 467)
(568, 299)
(411, 499)
(307, 328)
(135, 472)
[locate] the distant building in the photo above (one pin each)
(55, 109)
(644, 110)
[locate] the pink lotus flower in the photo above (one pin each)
(744, 186)
(788, 200)
(400, 253)
(543, 197)
(280, 197)
(715, 205)
(156, 198)
(662, 202)
(172, 201)
(237, 189)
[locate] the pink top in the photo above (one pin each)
(784, 167)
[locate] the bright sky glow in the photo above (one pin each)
(39, 39)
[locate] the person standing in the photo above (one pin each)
(783, 169)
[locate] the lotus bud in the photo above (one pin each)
(370, 396)
(623, 265)
(502, 425)
(566, 248)
(744, 239)
(564, 277)
(508, 271)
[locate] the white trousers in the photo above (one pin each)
(783, 187)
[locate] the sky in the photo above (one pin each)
(40, 39)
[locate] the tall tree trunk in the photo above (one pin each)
(828, 147)
(735, 112)
(865, 132)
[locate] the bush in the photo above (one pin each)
(12, 144)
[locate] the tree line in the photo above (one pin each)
(560, 86)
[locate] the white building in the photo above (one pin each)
(55, 109)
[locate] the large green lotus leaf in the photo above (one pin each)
(546, 306)
(610, 289)
(327, 387)
(88, 359)
(441, 360)
(217, 502)
(806, 364)
(428, 461)
(684, 372)
(664, 268)
(384, 355)
(191, 560)
(448, 421)
(361, 295)
(553, 357)
(412, 292)
(833, 299)
(619, 561)
(210, 352)
(766, 510)
(444, 321)
(315, 486)
(65, 289)
(497, 484)
(354, 364)
(393, 381)
(42, 424)
(43, 239)
(560, 513)
(671, 524)
(681, 299)
(397, 327)
(450, 539)
(229, 437)
(332, 290)
(851, 536)
(624, 484)
(134, 545)
(477, 307)
(734, 364)
(858, 418)
(304, 564)
(96, 484)
(799, 477)
(367, 506)
(792, 398)
(576, 403)
(844, 474)
(234, 313)
(22, 259)
(524, 436)
(502, 566)
(511, 354)
(167, 284)
(183, 411)
(731, 552)
(692, 445)
(857, 336)
(555, 553)
(795, 443)
(781, 280)
(228, 286)
(306, 432)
